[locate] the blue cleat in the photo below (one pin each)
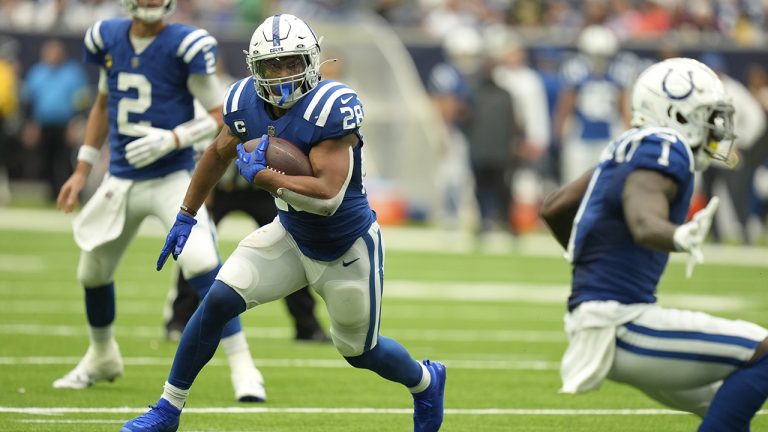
(428, 405)
(161, 418)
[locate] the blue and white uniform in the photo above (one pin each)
(615, 327)
(331, 110)
(341, 254)
(147, 87)
(602, 250)
(596, 116)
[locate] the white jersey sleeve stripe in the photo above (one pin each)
(326, 111)
(234, 106)
(225, 111)
(187, 41)
(206, 42)
(89, 41)
(96, 35)
(316, 99)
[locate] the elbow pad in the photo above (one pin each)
(318, 206)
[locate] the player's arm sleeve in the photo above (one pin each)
(206, 88)
(665, 154)
(198, 51)
(341, 113)
(94, 42)
(661, 165)
(202, 129)
(231, 104)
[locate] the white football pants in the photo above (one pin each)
(268, 265)
(160, 198)
(680, 357)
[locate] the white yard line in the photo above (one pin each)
(511, 364)
(396, 238)
(444, 291)
(263, 410)
(22, 263)
(286, 332)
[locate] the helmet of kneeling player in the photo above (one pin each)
(685, 95)
(149, 11)
(284, 58)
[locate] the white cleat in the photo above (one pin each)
(249, 385)
(92, 368)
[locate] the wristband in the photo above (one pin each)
(188, 210)
(88, 154)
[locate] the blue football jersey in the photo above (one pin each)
(607, 263)
(149, 88)
(597, 99)
(331, 110)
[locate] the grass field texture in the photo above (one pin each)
(494, 319)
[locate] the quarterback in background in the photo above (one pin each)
(619, 222)
(150, 75)
(325, 236)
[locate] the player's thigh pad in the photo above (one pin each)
(97, 266)
(265, 266)
(677, 349)
(200, 254)
(351, 287)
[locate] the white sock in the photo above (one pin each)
(236, 349)
(101, 338)
(426, 379)
(176, 396)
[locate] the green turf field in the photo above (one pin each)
(494, 319)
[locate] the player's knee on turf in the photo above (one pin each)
(349, 310)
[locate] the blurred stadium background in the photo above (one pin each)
(456, 93)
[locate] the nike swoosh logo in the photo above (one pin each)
(347, 264)
(347, 99)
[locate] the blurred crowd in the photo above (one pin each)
(521, 114)
(742, 21)
(525, 119)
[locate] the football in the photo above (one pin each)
(283, 156)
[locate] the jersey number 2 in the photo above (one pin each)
(126, 106)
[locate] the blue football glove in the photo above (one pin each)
(177, 238)
(249, 164)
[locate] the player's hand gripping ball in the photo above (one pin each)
(283, 156)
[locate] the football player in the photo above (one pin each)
(592, 104)
(326, 235)
(150, 74)
(619, 222)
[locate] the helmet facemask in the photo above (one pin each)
(711, 134)
(284, 59)
(720, 137)
(283, 79)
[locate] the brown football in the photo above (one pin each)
(283, 156)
